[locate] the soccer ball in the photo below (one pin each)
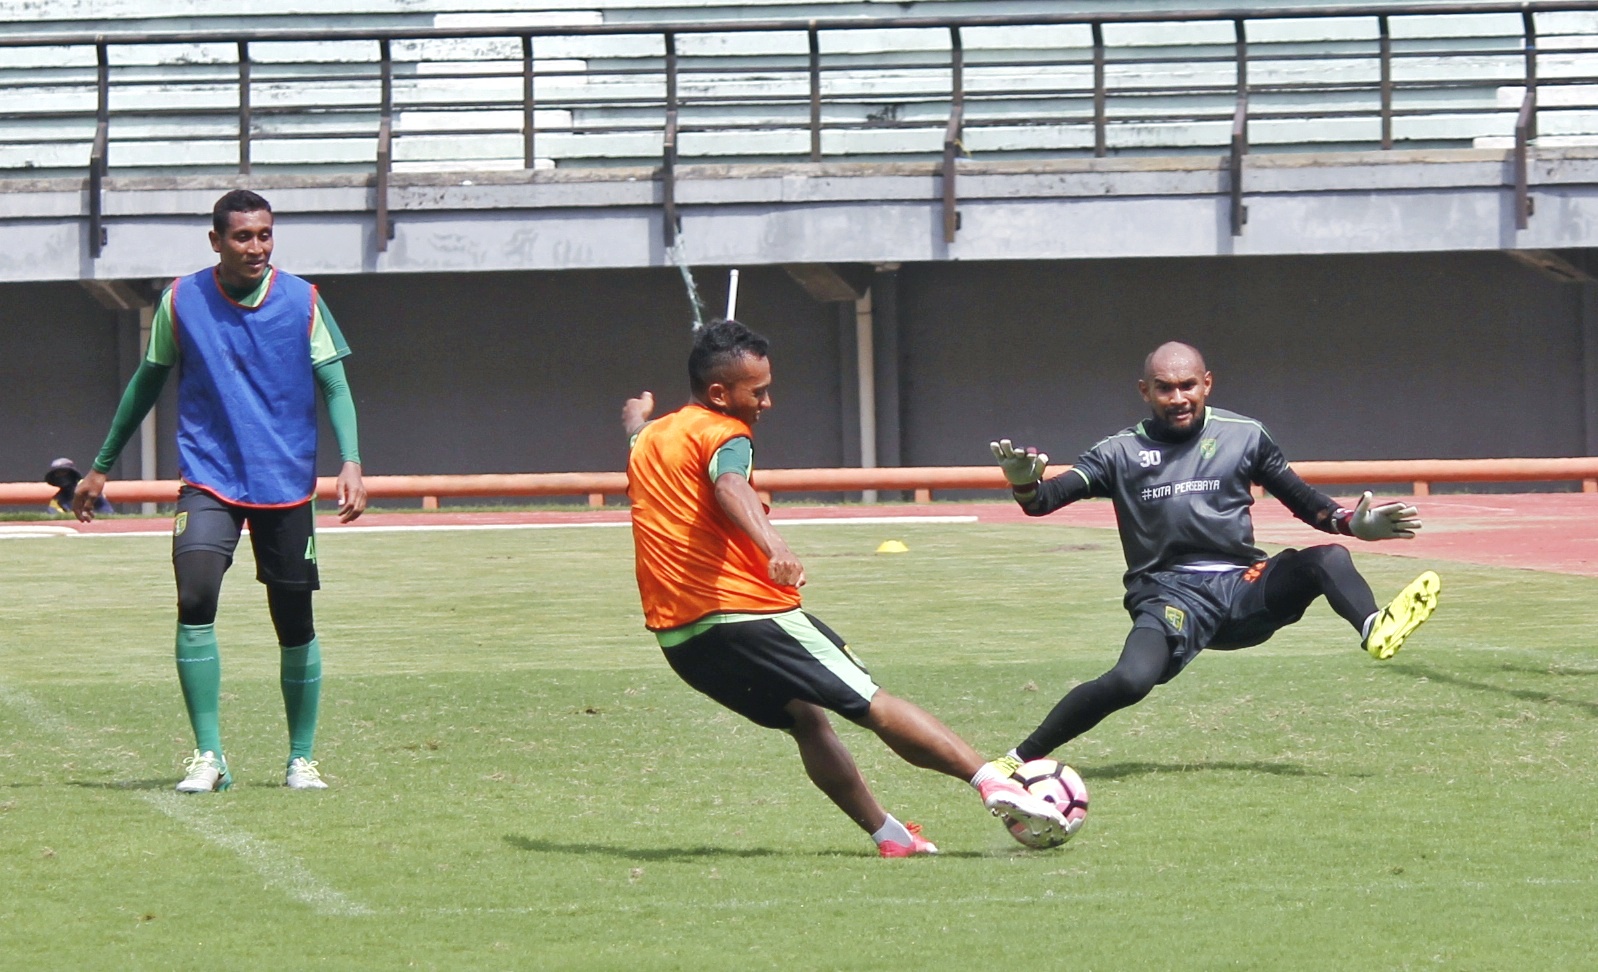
(1060, 785)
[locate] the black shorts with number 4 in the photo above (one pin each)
(283, 537)
(1221, 610)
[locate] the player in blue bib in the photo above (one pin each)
(1181, 483)
(253, 347)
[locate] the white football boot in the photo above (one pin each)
(303, 775)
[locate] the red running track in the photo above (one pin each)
(1533, 531)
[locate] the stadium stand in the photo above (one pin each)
(886, 93)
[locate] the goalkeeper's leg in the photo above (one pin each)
(1300, 576)
(1297, 577)
(1143, 661)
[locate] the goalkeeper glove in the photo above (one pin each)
(1022, 467)
(1388, 521)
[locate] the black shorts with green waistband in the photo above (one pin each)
(755, 665)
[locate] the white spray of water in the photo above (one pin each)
(681, 259)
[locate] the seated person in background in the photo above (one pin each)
(64, 475)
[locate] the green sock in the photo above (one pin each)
(302, 692)
(200, 675)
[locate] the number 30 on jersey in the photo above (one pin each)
(1148, 457)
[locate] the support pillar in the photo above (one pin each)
(885, 365)
(848, 385)
(148, 439)
(866, 383)
(1589, 367)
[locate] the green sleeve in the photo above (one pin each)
(163, 349)
(143, 390)
(327, 341)
(735, 456)
(340, 408)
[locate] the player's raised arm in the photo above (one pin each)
(742, 504)
(1386, 521)
(1024, 468)
(635, 413)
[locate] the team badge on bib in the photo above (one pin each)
(1206, 448)
(180, 523)
(1175, 617)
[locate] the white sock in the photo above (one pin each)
(1365, 630)
(893, 830)
(990, 772)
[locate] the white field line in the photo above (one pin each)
(34, 533)
(277, 868)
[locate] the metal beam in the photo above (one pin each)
(720, 26)
(117, 295)
(1552, 265)
(825, 283)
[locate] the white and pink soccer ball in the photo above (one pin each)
(1060, 785)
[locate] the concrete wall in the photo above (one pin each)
(59, 370)
(1344, 357)
(527, 372)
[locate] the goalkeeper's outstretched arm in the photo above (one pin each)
(1023, 469)
(1385, 521)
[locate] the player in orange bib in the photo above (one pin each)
(720, 590)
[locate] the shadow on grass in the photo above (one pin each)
(1120, 771)
(1553, 671)
(683, 854)
(1525, 695)
(123, 784)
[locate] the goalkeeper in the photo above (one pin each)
(1180, 481)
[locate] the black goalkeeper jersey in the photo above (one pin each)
(1186, 504)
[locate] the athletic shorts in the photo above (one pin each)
(1195, 610)
(757, 665)
(284, 537)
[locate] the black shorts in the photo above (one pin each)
(283, 537)
(757, 666)
(1195, 610)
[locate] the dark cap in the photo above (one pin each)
(63, 472)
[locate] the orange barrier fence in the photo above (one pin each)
(1418, 474)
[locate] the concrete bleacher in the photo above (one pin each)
(745, 96)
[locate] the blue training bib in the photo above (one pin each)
(246, 390)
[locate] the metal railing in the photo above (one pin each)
(631, 83)
(1418, 474)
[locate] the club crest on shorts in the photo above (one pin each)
(1175, 617)
(180, 523)
(1206, 448)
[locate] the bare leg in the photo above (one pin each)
(831, 768)
(919, 738)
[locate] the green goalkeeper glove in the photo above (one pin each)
(1385, 522)
(1022, 467)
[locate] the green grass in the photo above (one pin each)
(519, 782)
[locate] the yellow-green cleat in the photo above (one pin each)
(1006, 765)
(1402, 615)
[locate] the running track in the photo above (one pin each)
(1534, 531)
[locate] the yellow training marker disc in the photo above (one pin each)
(893, 546)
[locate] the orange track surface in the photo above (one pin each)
(1532, 531)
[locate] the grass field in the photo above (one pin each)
(519, 782)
